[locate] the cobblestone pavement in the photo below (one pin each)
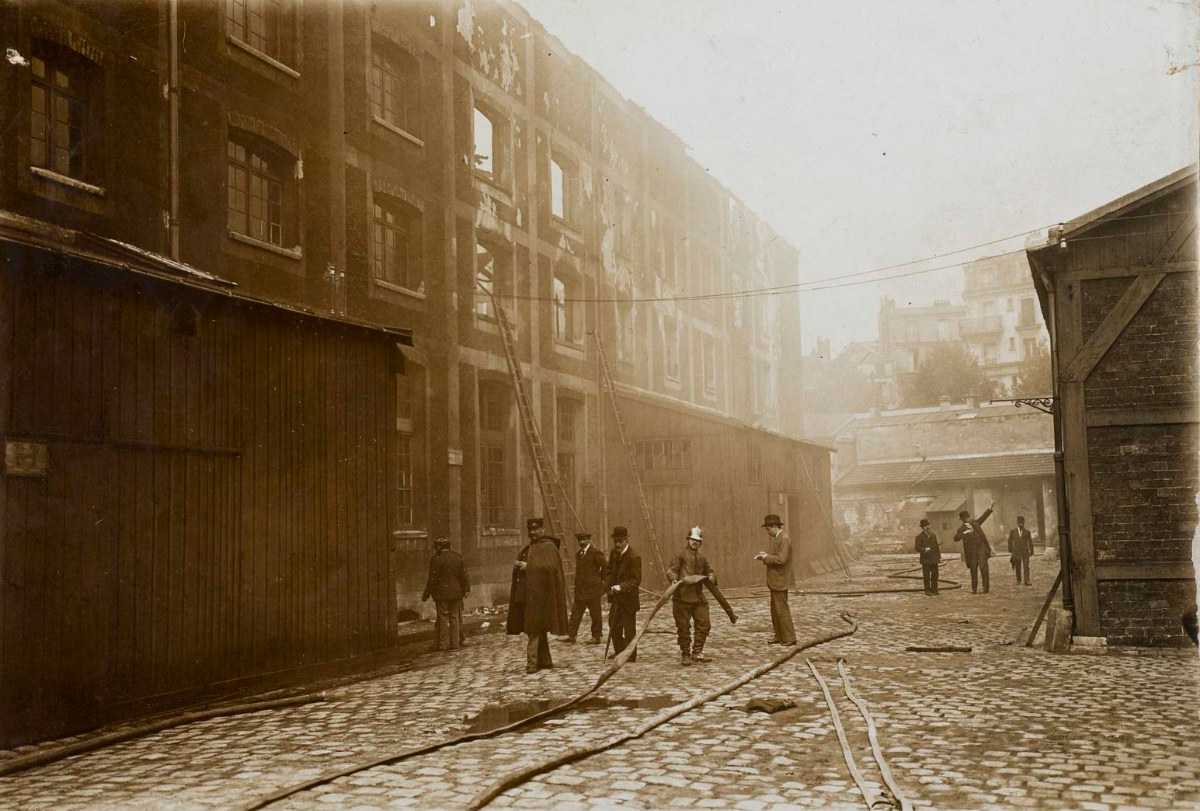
(1001, 727)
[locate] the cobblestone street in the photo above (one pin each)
(1000, 727)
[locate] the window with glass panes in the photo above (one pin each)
(58, 111)
(396, 243)
(671, 348)
(493, 474)
(256, 177)
(404, 488)
(265, 25)
(566, 445)
(395, 87)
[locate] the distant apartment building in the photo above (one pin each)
(1003, 323)
(906, 335)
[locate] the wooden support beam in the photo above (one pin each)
(1154, 570)
(1099, 342)
(1125, 271)
(1185, 232)
(1076, 466)
(1112, 417)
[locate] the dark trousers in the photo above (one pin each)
(449, 624)
(929, 576)
(1021, 567)
(622, 626)
(781, 618)
(687, 615)
(980, 567)
(537, 652)
(592, 607)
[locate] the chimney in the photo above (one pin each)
(944, 402)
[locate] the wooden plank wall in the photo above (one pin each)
(218, 503)
(717, 492)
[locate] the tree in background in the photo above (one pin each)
(949, 370)
(1033, 375)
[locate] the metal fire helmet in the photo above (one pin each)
(696, 534)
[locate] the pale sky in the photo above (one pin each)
(875, 132)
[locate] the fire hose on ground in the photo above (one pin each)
(609, 671)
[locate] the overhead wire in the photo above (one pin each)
(833, 282)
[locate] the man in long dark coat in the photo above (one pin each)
(447, 585)
(778, 560)
(1020, 548)
(591, 575)
(926, 544)
(624, 587)
(514, 624)
(545, 602)
(975, 548)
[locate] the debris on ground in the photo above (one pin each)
(768, 705)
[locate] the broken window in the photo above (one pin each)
(708, 355)
(485, 282)
(486, 157)
(671, 349)
(568, 310)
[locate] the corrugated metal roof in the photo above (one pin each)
(998, 466)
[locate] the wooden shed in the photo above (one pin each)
(1118, 289)
(725, 476)
(197, 492)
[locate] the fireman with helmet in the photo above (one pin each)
(688, 603)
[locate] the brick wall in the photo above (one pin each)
(1145, 612)
(1144, 480)
(1156, 360)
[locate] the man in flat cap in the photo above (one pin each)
(624, 585)
(447, 585)
(777, 558)
(930, 553)
(975, 547)
(591, 576)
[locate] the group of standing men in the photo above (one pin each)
(976, 551)
(537, 597)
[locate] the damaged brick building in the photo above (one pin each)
(370, 181)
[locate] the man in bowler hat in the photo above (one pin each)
(778, 560)
(591, 576)
(930, 554)
(624, 583)
(975, 548)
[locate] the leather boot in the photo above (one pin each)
(686, 660)
(698, 656)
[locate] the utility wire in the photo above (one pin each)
(831, 282)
